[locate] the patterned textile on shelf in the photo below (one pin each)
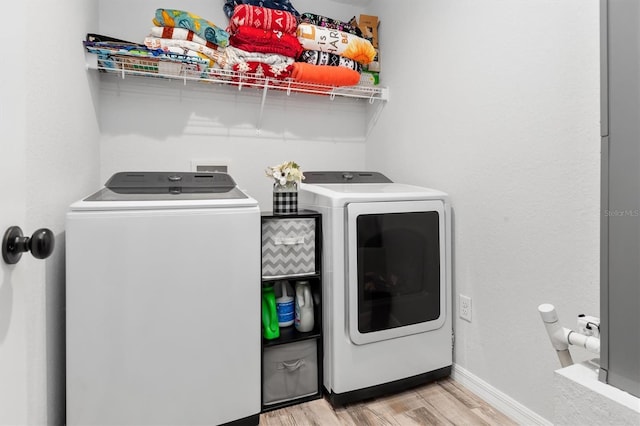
(259, 70)
(325, 75)
(229, 5)
(102, 48)
(317, 57)
(140, 58)
(215, 56)
(262, 18)
(236, 56)
(266, 41)
(323, 21)
(180, 34)
(181, 19)
(313, 37)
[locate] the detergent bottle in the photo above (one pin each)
(284, 304)
(270, 328)
(304, 307)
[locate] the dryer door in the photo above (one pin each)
(396, 270)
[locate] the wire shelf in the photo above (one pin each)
(151, 67)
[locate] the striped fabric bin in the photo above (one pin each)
(288, 247)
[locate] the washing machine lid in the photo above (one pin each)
(332, 177)
(166, 189)
(337, 189)
(170, 183)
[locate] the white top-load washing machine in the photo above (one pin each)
(163, 302)
(386, 283)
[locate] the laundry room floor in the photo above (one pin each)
(441, 403)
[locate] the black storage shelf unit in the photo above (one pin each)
(289, 335)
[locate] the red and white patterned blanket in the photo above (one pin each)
(262, 18)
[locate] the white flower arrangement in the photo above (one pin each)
(285, 174)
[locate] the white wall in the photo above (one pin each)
(497, 103)
(157, 125)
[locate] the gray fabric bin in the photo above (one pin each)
(290, 371)
(288, 247)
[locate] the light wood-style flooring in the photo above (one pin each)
(441, 403)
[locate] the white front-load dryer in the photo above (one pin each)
(386, 283)
(163, 302)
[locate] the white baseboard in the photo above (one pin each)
(502, 402)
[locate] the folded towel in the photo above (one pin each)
(263, 18)
(313, 37)
(323, 21)
(180, 34)
(217, 57)
(325, 58)
(325, 75)
(236, 56)
(266, 41)
(202, 27)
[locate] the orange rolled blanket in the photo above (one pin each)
(324, 74)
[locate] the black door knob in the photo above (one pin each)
(40, 244)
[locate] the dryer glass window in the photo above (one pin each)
(398, 269)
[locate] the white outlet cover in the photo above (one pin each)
(464, 307)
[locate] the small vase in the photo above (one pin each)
(285, 198)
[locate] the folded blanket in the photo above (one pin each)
(323, 21)
(325, 58)
(259, 69)
(118, 48)
(180, 34)
(140, 58)
(216, 56)
(202, 27)
(263, 18)
(236, 56)
(229, 5)
(325, 75)
(177, 50)
(266, 41)
(313, 37)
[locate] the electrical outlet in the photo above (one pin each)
(210, 166)
(464, 307)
